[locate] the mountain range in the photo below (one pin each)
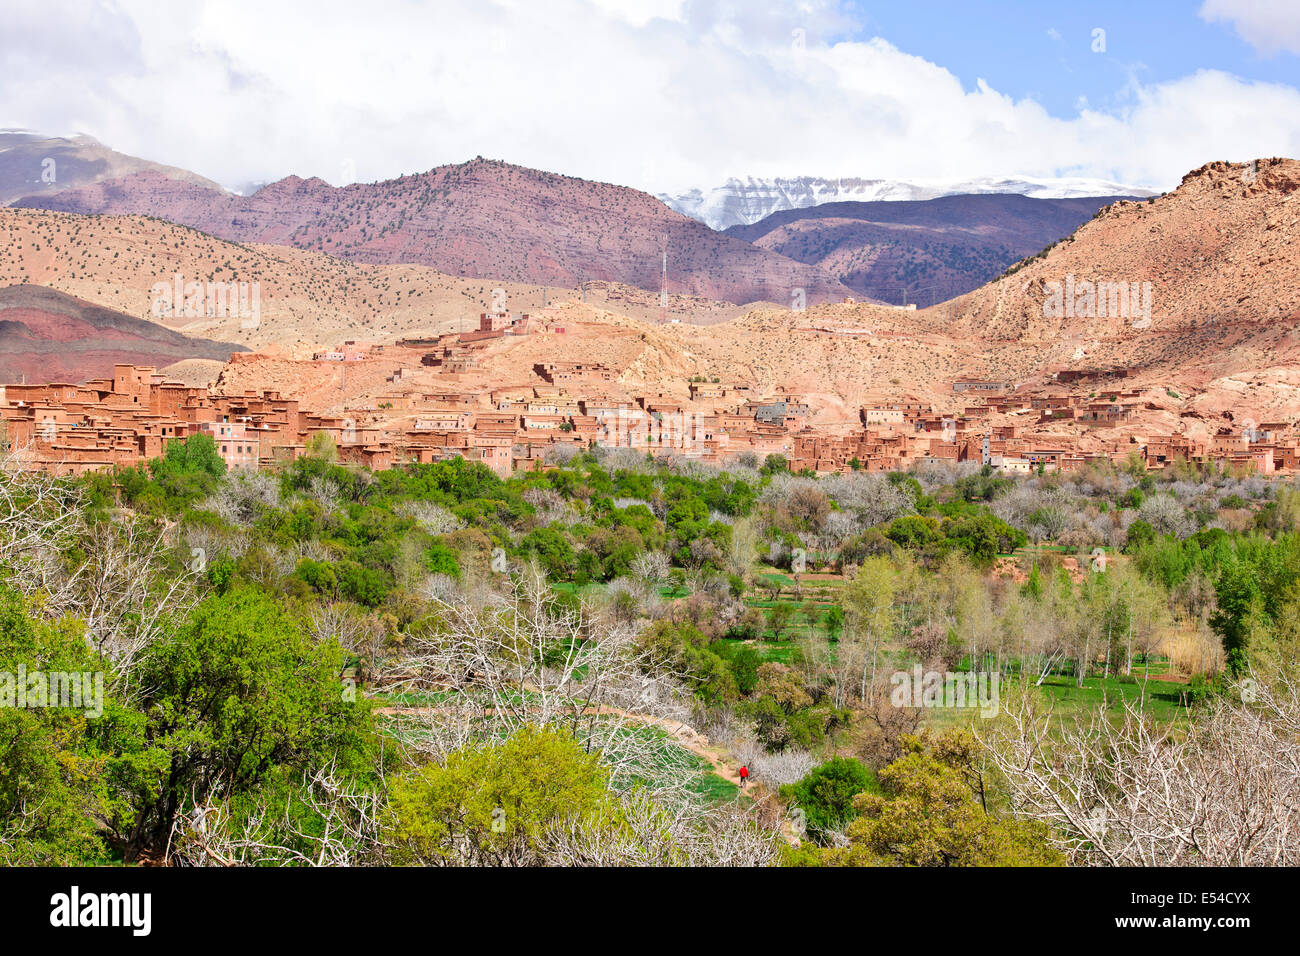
(896, 241)
(742, 202)
(32, 164)
(1212, 338)
(920, 251)
(482, 218)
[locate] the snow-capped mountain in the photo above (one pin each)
(746, 201)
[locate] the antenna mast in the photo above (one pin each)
(663, 282)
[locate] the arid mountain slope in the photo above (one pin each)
(926, 251)
(307, 299)
(481, 218)
(47, 336)
(41, 166)
(1222, 256)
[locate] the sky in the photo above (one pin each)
(663, 95)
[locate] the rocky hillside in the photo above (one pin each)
(1202, 294)
(308, 299)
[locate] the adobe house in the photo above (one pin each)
(564, 372)
(495, 452)
(237, 447)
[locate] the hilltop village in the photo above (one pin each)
(71, 429)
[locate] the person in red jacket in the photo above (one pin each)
(744, 777)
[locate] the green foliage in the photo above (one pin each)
(744, 662)
(232, 698)
(1250, 574)
(913, 531)
(188, 470)
(929, 815)
(552, 550)
(1140, 535)
(50, 772)
(833, 622)
(826, 795)
(196, 455)
(440, 559)
(374, 537)
(490, 805)
(779, 616)
(684, 649)
(984, 486)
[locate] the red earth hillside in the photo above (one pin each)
(47, 336)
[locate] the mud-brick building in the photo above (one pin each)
(238, 447)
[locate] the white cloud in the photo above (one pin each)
(659, 94)
(1270, 26)
(640, 12)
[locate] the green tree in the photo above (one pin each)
(1240, 610)
(834, 622)
(869, 598)
(441, 559)
(50, 774)
(1140, 535)
(779, 616)
(321, 447)
(827, 792)
(929, 815)
(235, 696)
(552, 550)
(189, 469)
(744, 663)
(490, 804)
(193, 456)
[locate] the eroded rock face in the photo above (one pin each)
(481, 218)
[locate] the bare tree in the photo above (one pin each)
(523, 658)
(39, 516)
(646, 833)
(344, 832)
(433, 518)
(125, 589)
(1135, 792)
